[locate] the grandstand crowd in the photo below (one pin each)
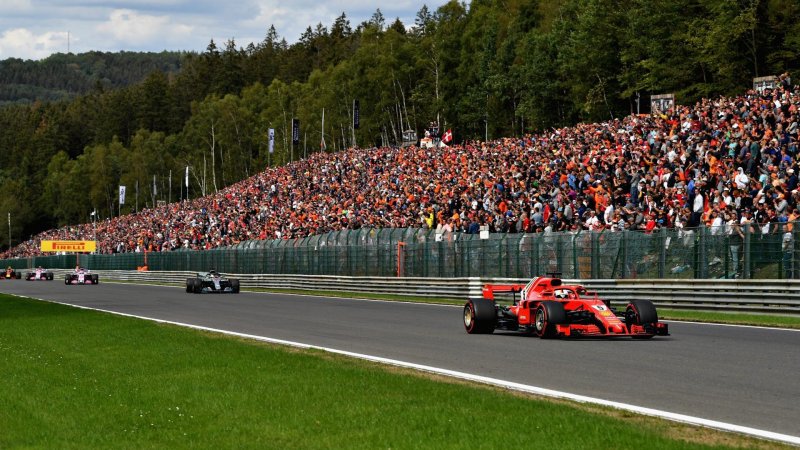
(726, 163)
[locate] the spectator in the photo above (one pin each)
(730, 155)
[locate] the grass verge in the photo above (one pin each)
(81, 379)
(735, 318)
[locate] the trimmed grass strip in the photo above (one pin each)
(74, 378)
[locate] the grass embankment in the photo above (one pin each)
(81, 379)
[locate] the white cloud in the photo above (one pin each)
(21, 41)
(15, 6)
(291, 19)
(130, 27)
(34, 29)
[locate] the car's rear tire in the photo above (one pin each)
(480, 316)
(548, 315)
(50, 276)
(235, 286)
(95, 279)
(643, 313)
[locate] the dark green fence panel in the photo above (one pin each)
(700, 253)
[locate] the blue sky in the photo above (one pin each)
(35, 29)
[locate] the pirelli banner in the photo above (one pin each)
(69, 246)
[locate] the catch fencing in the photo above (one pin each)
(674, 254)
(771, 296)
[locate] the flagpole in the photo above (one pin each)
(353, 124)
(322, 145)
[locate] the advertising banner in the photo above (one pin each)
(295, 131)
(69, 246)
(272, 140)
(356, 114)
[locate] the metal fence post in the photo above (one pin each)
(662, 254)
(748, 234)
(702, 256)
(595, 255)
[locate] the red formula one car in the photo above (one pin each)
(547, 308)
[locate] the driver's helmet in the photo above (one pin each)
(40, 267)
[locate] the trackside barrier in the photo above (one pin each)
(774, 296)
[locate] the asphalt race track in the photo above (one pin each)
(738, 375)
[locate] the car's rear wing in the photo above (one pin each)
(490, 289)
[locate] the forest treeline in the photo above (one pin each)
(66, 76)
(486, 69)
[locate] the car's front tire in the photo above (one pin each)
(480, 316)
(548, 314)
(642, 313)
(235, 286)
(189, 285)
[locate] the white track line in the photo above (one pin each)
(763, 434)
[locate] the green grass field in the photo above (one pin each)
(80, 379)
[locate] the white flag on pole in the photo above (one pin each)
(187, 176)
(122, 195)
(271, 140)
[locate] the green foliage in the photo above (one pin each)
(65, 76)
(489, 68)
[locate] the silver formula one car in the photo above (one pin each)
(212, 282)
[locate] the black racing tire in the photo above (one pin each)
(189, 285)
(19, 275)
(95, 279)
(235, 286)
(197, 287)
(66, 280)
(641, 312)
(50, 276)
(548, 314)
(480, 316)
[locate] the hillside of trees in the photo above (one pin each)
(66, 76)
(486, 70)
